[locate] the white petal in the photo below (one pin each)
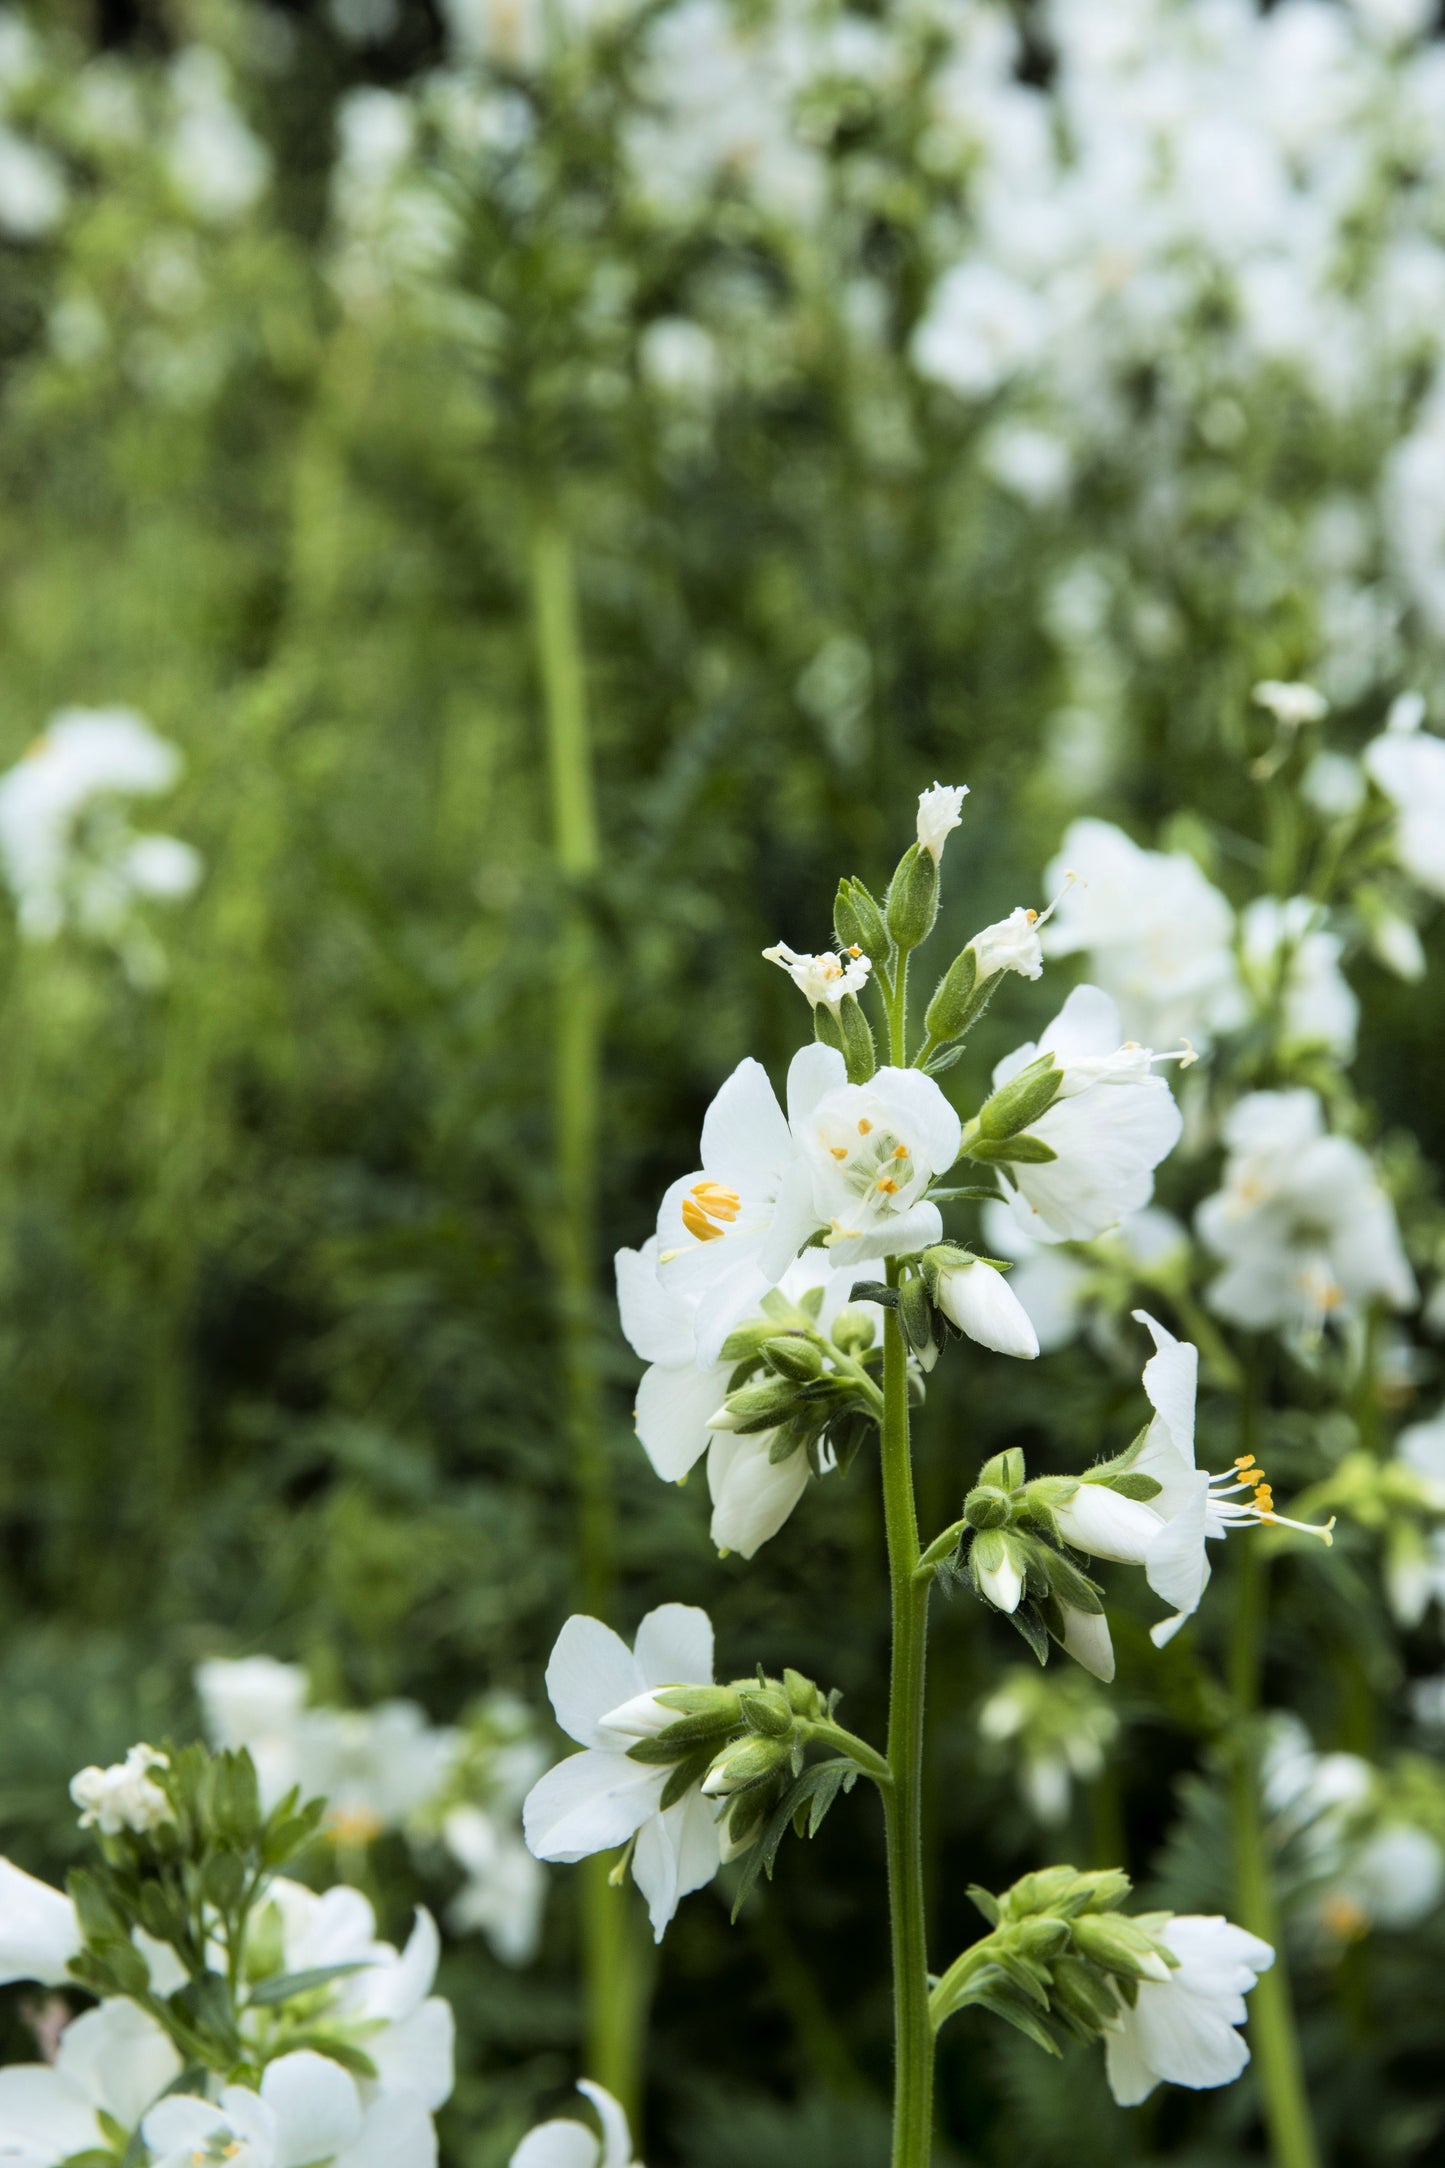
(393, 1990)
(752, 1495)
(745, 1140)
(616, 2137)
(674, 1646)
(1177, 1567)
(1097, 1520)
(119, 2058)
(813, 1072)
(672, 1411)
(656, 1320)
(922, 1111)
(39, 2109)
(1171, 1382)
(795, 1217)
(676, 1852)
(418, 2056)
(316, 2106)
(589, 1803)
(397, 2128)
(589, 1671)
(39, 1932)
(1086, 1026)
(916, 1229)
(1087, 1640)
(980, 1301)
(557, 2145)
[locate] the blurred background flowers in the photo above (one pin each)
(499, 503)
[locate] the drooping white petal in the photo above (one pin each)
(979, 1300)
(752, 1495)
(591, 1802)
(591, 1669)
(916, 1229)
(616, 2137)
(557, 2145)
(672, 1410)
(1099, 1521)
(1087, 1640)
(676, 1852)
(657, 1322)
(39, 1932)
(1182, 2030)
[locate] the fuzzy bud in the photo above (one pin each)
(793, 1357)
(767, 1711)
(1022, 1100)
(1119, 1945)
(913, 897)
(745, 1763)
(755, 1407)
(853, 1331)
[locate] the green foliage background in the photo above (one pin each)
(280, 1338)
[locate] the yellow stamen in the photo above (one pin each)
(355, 1827)
(706, 1202)
(1245, 1460)
(901, 1151)
(887, 1184)
(864, 1126)
(1344, 1917)
(855, 951)
(839, 1151)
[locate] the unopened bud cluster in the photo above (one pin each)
(1060, 1954)
(742, 1743)
(795, 1381)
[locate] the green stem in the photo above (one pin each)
(1272, 2027)
(869, 1760)
(614, 1966)
(912, 2026)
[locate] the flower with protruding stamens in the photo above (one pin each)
(825, 978)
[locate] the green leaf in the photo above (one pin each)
(968, 1189)
(282, 1986)
(685, 1775)
(985, 1901)
(830, 1776)
(1026, 1621)
(1137, 1485)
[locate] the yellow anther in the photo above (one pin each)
(839, 1151)
(354, 1826)
(864, 1126)
(855, 950)
(1344, 1917)
(1245, 1460)
(901, 1151)
(1032, 917)
(887, 1184)
(706, 1202)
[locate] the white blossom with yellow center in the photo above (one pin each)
(825, 978)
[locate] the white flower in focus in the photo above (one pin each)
(977, 1299)
(824, 978)
(39, 1932)
(112, 2062)
(940, 811)
(122, 1796)
(1293, 962)
(1182, 2031)
(569, 2145)
(1013, 944)
(1111, 1123)
(1300, 1224)
(871, 1150)
(1155, 933)
(66, 846)
(503, 1894)
(1410, 770)
(599, 1799)
(1292, 705)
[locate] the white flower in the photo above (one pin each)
(503, 1894)
(374, 1767)
(1314, 1002)
(308, 2110)
(1087, 1639)
(67, 849)
(1156, 934)
(1182, 2030)
(569, 2145)
(257, 1703)
(977, 1299)
(1410, 770)
(215, 161)
(1110, 1125)
(386, 2006)
(940, 811)
(1054, 1285)
(1301, 1225)
(599, 1799)
(123, 1796)
(39, 1932)
(1291, 704)
(825, 978)
(112, 2061)
(852, 1160)
(752, 1495)
(1012, 944)
(32, 189)
(981, 328)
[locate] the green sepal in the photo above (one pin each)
(1027, 1151)
(1135, 1484)
(686, 1774)
(913, 898)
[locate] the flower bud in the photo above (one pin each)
(997, 1564)
(857, 920)
(1022, 1100)
(793, 1357)
(1006, 1469)
(979, 1301)
(766, 1710)
(744, 1343)
(853, 1331)
(915, 1315)
(987, 1507)
(1119, 1945)
(755, 1407)
(746, 1762)
(859, 1052)
(955, 1000)
(1040, 1936)
(743, 1824)
(1084, 1635)
(804, 1698)
(1082, 1993)
(913, 897)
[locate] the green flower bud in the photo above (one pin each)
(1005, 1151)
(1083, 1994)
(986, 1507)
(858, 922)
(915, 1315)
(1040, 1936)
(1004, 1469)
(718, 1703)
(859, 1051)
(767, 1711)
(804, 1698)
(1120, 1945)
(745, 1342)
(913, 897)
(793, 1357)
(952, 1007)
(854, 1331)
(746, 1762)
(1022, 1100)
(755, 1407)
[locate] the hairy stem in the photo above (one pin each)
(912, 2025)
(1272, 2027)
(615, 1970)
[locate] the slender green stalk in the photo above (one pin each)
(912, 2025)
(1272, 2027)
(614, 1966)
